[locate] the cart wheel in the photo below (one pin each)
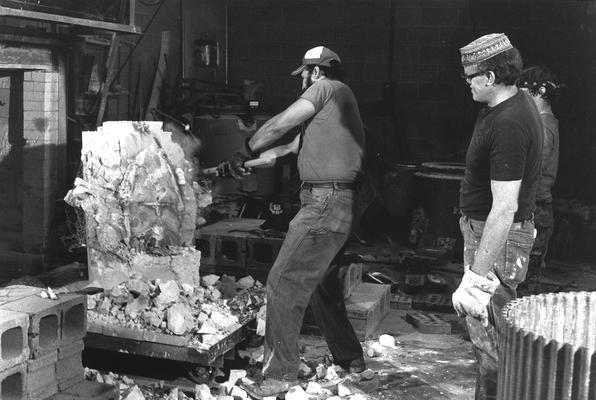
(200, 375)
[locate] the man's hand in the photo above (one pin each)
(473, 294)
(234, 167)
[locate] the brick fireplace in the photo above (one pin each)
(32, 152)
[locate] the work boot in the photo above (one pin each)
(268, 387)
(355, 366)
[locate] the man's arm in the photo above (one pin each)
(498, 223)
(276, 127)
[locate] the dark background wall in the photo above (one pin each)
(432, 116)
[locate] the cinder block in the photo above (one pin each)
(351, 279)
(41, 376)
(428, 322)
(74, 318)
(230, 251)
(206, 245)
(262, 251)
(13, 382)
(70, 367)
(70, 382)
(401, 301)
(67, 350)
(88, 391)
(44, 323)
(367, 306)
(14, 347)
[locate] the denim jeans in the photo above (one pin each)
(510, 267)
(302, 273)
(544, 220)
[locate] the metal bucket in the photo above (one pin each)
(437, 187)
(548, 348)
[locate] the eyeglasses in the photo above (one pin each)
(468, 78)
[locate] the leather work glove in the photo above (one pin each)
(473, 294)
(234, 167)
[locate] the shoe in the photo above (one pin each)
(267, 388)
(355, 366)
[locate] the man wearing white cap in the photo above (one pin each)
(330, 156)
(496, 197)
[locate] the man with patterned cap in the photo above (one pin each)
(330, 157)
(496, 197)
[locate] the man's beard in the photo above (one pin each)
(306, 83)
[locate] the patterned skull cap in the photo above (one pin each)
(484, 47)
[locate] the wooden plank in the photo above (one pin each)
(160, 75)
(110, 26)
(111, 72)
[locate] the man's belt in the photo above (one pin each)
(329, 185)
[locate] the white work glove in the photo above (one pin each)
(473, 294)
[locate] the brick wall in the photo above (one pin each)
(434, 112)
(37, 122)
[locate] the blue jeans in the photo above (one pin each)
(511, 267)
(302, 273)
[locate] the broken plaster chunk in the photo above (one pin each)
(321, 371)
(238, 392)
(331, 374)
(180, 319)
(343, 389)
(169, 293)
(235, 375)
(245, 283)
(296, 393)
(209, 280)
(387, 340)
(314, 388)
(134, 394)
(357, 396)
(367, 374)
(202, 392)
(223, 321)
(188, 289)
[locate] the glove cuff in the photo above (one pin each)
(251, 154)
(486, 284)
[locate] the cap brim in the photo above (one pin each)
(298, 70)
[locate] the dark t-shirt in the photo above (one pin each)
(506, 146)
(332, 147)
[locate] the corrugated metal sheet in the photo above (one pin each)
(548, 347)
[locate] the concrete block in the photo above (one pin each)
(401, 301)
(70, 367)
(67, 350)
(262, 251)
(74, 317)
(230, 251)
(367, 306)
(44, 323)
(88, 391)
(68, 383)
(13, 382)
(14, 348)
(351, 279)
(35, 364)
(41, 376)
(428, 322)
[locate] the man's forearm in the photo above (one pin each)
(267, 134)
(494, 236)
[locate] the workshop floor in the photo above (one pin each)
(425, 366)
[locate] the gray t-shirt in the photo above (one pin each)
(332, 147)
(550, 157)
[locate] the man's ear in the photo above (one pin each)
(316, 72)
(491, 78)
